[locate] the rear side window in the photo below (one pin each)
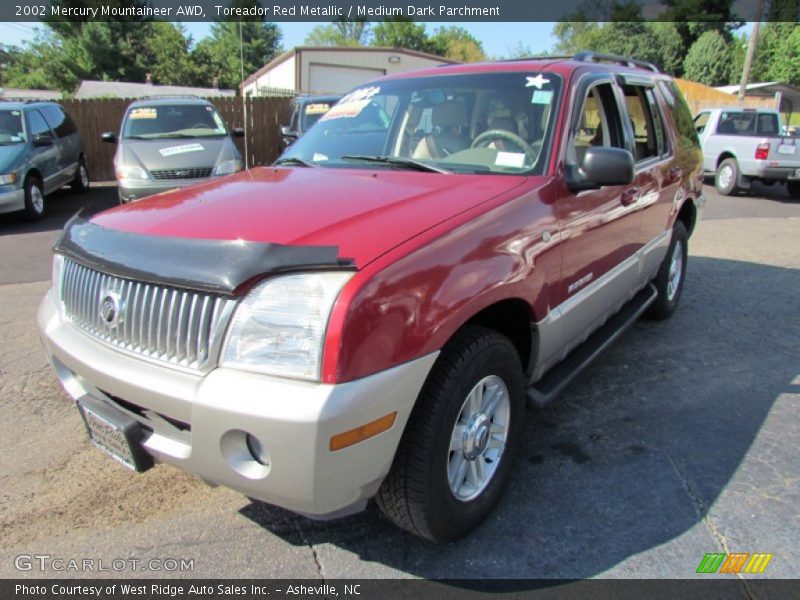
(747, 123)
(680, 113)
(648, 130)
(36, 123)
(58, 120)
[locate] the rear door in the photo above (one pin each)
(658, 176)
(68, 139)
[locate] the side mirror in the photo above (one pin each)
(601, 166)
(238, 132)
(109, 137)
(287, 132)
(42, 139)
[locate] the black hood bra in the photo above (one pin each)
(218, 266)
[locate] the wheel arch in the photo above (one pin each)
(725, 155)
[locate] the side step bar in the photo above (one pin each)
(556, 379)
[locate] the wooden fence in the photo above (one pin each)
(262, 130)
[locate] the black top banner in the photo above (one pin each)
(416, 10)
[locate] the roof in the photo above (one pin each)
(21, 94)
(366, 49)
(22, 104)
(173, 100)
(790, 94)
(125, 89)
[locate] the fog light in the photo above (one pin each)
(257, 450)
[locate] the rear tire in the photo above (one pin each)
(457, 450)
(671, 275)
(793, 187)
(81, 181)
(726, 179)
(34, 199)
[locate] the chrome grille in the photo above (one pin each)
(181, 173)
(167, 324)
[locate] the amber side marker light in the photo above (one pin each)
(363, 432)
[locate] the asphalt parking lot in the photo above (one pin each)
(680, 440)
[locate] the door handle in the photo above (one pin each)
(629, 197)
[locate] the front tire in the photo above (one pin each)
(81, 181)
(726, 179)
(34, 199)
(671, 275)
(793, 187)
(457, 450)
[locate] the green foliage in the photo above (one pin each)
(340, 33)
(456, 43)
(403, 33)
(708, 60)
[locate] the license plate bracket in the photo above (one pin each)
(115, 433)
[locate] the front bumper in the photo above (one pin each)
(12, 201)
(198, 423)
(130, 190)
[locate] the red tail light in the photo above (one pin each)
(762, 151)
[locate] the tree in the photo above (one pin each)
(169, 55)
(708, 60)
(340, 33)
(402, 33)
(456, 43)
(695, 17)
(260, 44)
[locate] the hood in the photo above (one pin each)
(364, 213)
(10, 156)
(184, 153)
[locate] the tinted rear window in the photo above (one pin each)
(680, 113)
(748, 123)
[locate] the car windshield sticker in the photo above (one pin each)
(319, 157)
(16, 138)
(351, 105)
(510, 159)
(143, 113)
(537, 81)
(15, 113)
(317, 109)
(173, 150)
(542, 97)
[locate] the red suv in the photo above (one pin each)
(367, 317)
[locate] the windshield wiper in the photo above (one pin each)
(397, 161)
(293, 160)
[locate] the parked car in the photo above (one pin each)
(367, 317)
(41, 151)
(742, 145)
(306, 110)
(171, 142)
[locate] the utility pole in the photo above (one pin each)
(751, 50)
(244, 96)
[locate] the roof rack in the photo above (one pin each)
(28, 100)
(537, 57)
(613, 58)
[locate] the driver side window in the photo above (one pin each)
(598, 124)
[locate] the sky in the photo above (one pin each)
(497, 38)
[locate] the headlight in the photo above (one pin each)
(58, 267)
(8, 178)
(227, 167)
(279, 327)
(131, 172)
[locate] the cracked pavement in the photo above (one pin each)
(679, 440)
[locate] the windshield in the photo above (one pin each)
(173, 121)
(11, 129)
(478, 123)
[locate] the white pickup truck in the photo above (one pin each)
(742, 144)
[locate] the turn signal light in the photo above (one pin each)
(359, 434)
(762, 151)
